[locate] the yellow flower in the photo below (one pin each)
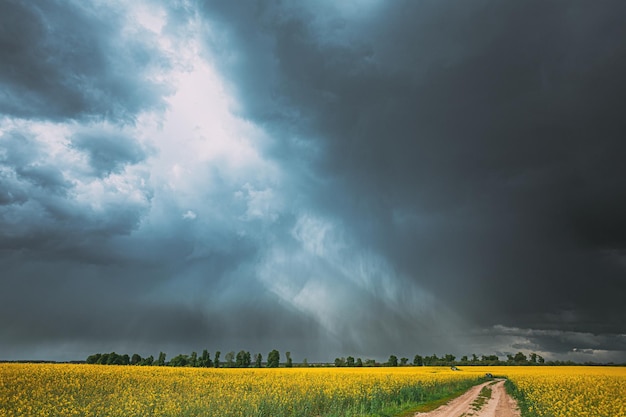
(97, 390)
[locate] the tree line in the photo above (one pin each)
(448, 360)
(243, 359)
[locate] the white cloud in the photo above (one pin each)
(189, 215)
(263, 204)
(203, 154)
(317, 236)
(149, 15)
(196, 153)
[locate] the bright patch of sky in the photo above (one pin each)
(150, 16)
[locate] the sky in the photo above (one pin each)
(328, 178)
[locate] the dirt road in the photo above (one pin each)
(486, 400)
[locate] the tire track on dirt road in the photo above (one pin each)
(476, 404)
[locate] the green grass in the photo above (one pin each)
(434, 402)
(482, 398)
(402, 403)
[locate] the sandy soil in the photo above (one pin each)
(499, 405)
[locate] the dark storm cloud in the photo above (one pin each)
(108, 150)
(68, 59)
(479, 147)
(46, 177)
(560, 342)
(47, 201)
(406, 177)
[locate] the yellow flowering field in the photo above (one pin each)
(566, 391)
(97, 390)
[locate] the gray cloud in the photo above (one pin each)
(561, 344)
(477, 148)
(70, 60)
(108, 151)
(142, 308)
(52, 205)
(393, 178)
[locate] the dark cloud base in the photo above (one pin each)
(477, 147)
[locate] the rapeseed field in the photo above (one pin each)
(96, 390)
(566, 391)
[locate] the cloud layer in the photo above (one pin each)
(367, 178)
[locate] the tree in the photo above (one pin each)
(179, 360)
(393, 360)
(149, 361)
(239, 359)
(418, 360)
(350, 361)
(193, 360)
(230, 359)
(216, 361)
(289, 363)
(474, 357)
(161, 360)
(205, 359)
(431, 360)
(339, 362)
(359, 363)
(243, 359)
(519, 357)
(493, 359)
(449, 359)
(114, 359)
(404, 361)
(135, 359)
(533, 357)
(464, 358)
(273, 359)
(93, 359)
(305, 363)
(258, 360)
